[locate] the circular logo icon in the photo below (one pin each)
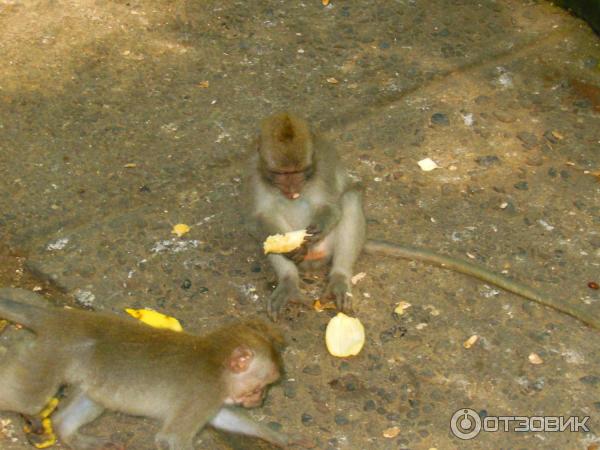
(465, 424)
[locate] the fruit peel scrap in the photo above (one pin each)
(344, 336)
(180, 229)
(155, 319)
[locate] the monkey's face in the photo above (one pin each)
(289, 183)
(248, 388)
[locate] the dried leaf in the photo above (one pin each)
(534, 358)
(203, 84)
(471, 341)
(356, 278)
(401, 307)
(391, 433)
(332, 80)
(130, 166)
(428, 164)
(320, 307)
(325, 2)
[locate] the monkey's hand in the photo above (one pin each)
(325, 219)
(298, 254)
(339, 288)
(313, 235)
(286, 290)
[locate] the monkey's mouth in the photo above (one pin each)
(253, 399)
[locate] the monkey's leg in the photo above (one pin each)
(179, 430)
(349, 239)
(27, 381)
(79, 411)
(287, 285)
(238, 421)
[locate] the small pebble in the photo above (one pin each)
(392, 417)
(369, 405)
(274, 426)
(591, 63)
(186, 284)
(307, 419)
(521, 185)
(313, 369)
(488, 160)
(592, 380)
(413, 413)
(340, 419)
(440, 119)
(289, 390)
(550, 137)
(528, 139)
(534, 160)
(503, 116)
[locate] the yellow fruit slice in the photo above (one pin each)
(283, 243)
(155, 319)
(180, 229)
(344, 336)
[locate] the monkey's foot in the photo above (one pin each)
(282, 295)
(339, 288)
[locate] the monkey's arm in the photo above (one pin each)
(474, 270)
(324, 219)
(269, 223)
(238, 421)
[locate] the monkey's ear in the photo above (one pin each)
(240, 359)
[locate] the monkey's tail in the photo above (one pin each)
(468, 268)
(23, 307)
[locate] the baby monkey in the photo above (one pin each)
(185, 381)
(297, 182)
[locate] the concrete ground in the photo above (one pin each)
(119, 119)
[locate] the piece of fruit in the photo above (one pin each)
(155, 319)
(283, 243)
(180, 229)
(471, 341)
(344, 336)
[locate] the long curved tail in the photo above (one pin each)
(23, 307)
(474, 270)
